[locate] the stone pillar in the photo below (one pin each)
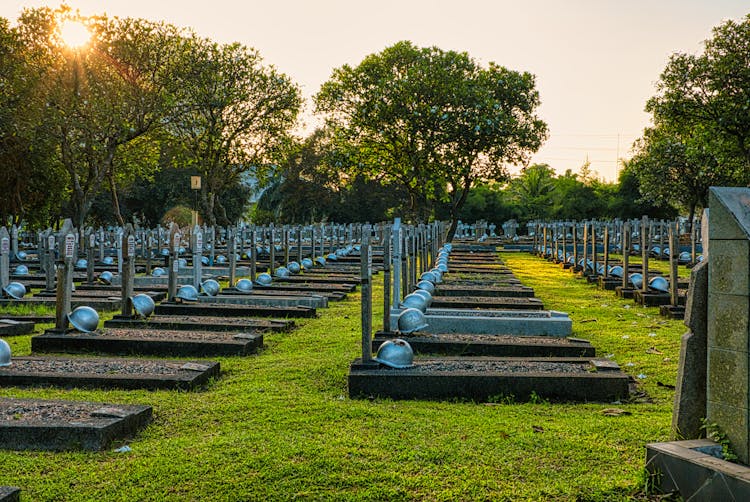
(4, 257)
(728, 385)
(387, 253)
(174, 263)
(196, 245)
(128, 270)
(90, 240)
(366, 284)
(65, 276)
(396, 262)
(232, 251)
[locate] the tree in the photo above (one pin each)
(628, 202)
(232, 117)
(432, 121)
(533, 191)
(701, 116)
(99, 98)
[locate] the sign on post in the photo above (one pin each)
(70, 245)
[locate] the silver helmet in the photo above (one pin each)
(158, 272)
(414, 301)
(429, 276)
(21, 255)
(105, 277)
(4, 353)
(221, 259)
(659, 283)
(332, 257)
(427, 286)
(21, 270)
(164, 251)
(108, 260)
(293, 267)
(438, 274)
(15, 290)
(84, 319)
(684, 257)
(616, 271)
(426, 294)
(264, 279)
(396, 353)
(282, 272)
(636, 280)
(244, 285)
(411, 320)
(181, 263)
(204, 260)
(443, 267)
(143, 305)
(307, 263)
(320, 261)
(210, 287)
(81, 263)
(187, 293)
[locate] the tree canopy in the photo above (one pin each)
(432, 121)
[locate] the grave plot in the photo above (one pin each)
(229, 310)
(35, 424)
(181, 340)
(11, 327)
(237, 297)
(462, 344)
(80, 295)
(86, 372)
(531, 354)
(496, 302)
(338, 290)
(104, 304)
(482, 379)
(490, 291)
(269, 292)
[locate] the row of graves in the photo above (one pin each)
(165, 286)
(467, 328)
(713, 381)
(587, 248)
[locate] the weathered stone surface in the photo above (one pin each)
(697, 303)
(730, 213)
(728, 275)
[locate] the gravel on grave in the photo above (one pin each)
(19, 411)
(162, 319)
(491, 365)
(160, 334)
(500, 339)
(95, 366)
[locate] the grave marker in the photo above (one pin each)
(128, 270)
(4, 257)
(65, 276)
(173, 263)
(366, 282)
(197, 247)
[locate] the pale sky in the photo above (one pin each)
(595, 61)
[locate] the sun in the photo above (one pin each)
(74, 34)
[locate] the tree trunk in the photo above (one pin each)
(115, 200)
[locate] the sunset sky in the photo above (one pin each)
(596, 61)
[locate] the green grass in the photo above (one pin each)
(279, 426)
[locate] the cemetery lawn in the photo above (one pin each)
(280, 426)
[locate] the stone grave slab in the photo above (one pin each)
(35, 424)
(328, 295)
(35, 318)
(10, 327)
(695, 470)
(201, 323)
(153, 342)
(496, 302)
(486, 378)
(461, 344)
(101, 304)
(229, 310)
(304, 288)
(311, 301)
(87, 372)
(495, 322)
(467, 290)
(10, 494)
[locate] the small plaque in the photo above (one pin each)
(198, 243)
(110, 412)
(175, 266)
(195, 182)
(70, 245)
(176, 242)
(92, 240)
(5, 246)
(131, 246)
(194, 367)
(51, 242)
(369, 262)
